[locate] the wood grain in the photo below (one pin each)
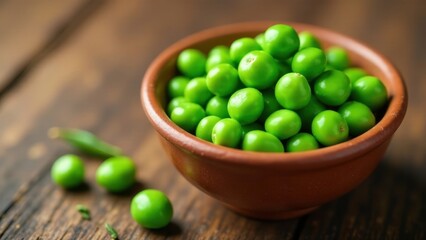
(41, 21)
(90, 79)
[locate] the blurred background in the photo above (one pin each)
(79, 63)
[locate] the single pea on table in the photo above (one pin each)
(281, 87)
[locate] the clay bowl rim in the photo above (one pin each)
(323, 157)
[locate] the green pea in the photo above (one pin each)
(283, 124)
(176, 86)
(310, 62)
(187, 116)
(68, 171)
(227, 132)
(332, 87)
(329, 128)
(292, 91)
(308, 113)
(258, 69)
(260, 141)
(307, 40)
(281, 41)
(116, 174)
(358, 116)
(301, 142)
(240, 47)
(246, 105)
(205, 127)
(192, 63)
(219, 50)
(355, 73)
(222, 80)
(151, 209)
(260, 39)
(197, 92)
(252, 126)
(270, 104)
(175, 102)
(338, 58)
(218, 106)
(370, 91)
(218, 55)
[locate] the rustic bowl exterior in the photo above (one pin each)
(273, 185)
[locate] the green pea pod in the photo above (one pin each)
(85, 141)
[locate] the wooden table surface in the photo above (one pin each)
(78, 63)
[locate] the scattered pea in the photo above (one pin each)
(151, 209)
(116, 174)
(68, 171)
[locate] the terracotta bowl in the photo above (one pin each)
(273, 185)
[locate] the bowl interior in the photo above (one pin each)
(164, 68)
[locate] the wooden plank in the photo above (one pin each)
(388, 205)
(93, 82)
(25, 28)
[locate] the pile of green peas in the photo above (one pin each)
(280, 91)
